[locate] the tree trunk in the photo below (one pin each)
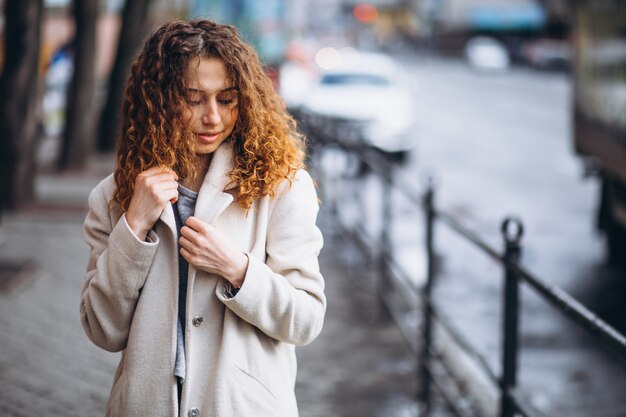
(134, 28)
(77, 138)
(19, 102)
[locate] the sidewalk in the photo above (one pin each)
(358, 366)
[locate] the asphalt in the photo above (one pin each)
(359, 366)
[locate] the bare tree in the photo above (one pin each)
(79, 120)
(19, 102)
(134, 28)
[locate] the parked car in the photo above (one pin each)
(548, 53)
(362, 100)
(487, 53)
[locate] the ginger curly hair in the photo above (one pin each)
(155, 129)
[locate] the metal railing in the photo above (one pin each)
(432, 370)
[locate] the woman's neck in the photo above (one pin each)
(202, 167)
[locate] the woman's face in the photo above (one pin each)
(212, 100)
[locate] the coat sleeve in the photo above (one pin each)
(116, 271)
(284, 296)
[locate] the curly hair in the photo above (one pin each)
(155, 130)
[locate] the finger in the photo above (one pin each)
(168, 195)
(150, 181)
(167, 170)
(197, 224)
(172, 192)
(185, 243)
(189, 234)
(158, 170)
(166, 186)
(161, 177)
(151, 171)
(186, 254)
(162, 189)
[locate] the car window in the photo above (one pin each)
(354, 79)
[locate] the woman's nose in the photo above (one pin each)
(211, 115)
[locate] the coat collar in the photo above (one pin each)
(212, 197)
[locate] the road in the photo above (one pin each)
(498, 145)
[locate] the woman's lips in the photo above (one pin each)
(208, 137)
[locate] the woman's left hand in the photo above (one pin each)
(206, 248)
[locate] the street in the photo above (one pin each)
(435, 131)
(498, 144)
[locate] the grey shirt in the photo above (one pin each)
(183, 209)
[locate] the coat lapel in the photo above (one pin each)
(212, 198)
(167, 217)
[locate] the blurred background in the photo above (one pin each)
(429, 123)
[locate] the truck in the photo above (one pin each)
(599, 111)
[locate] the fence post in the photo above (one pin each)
(427, 315)
(385, 240)
(512, 242)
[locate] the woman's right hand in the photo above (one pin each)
(154, 187)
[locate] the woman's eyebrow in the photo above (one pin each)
(197, 90)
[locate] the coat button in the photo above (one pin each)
(197, 321)
(193, 412)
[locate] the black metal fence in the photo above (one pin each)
(432, 371)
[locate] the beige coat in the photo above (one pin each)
(241, 358)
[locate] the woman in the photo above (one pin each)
(203, 268)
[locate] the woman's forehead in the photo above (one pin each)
(207, 75)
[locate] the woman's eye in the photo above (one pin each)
(226, 99)
(194, 100)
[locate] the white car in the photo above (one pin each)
(363, 100)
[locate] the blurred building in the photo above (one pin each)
(58, 28)
(262, 23)
(451, 23)
(531, 31)
(56, 58)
